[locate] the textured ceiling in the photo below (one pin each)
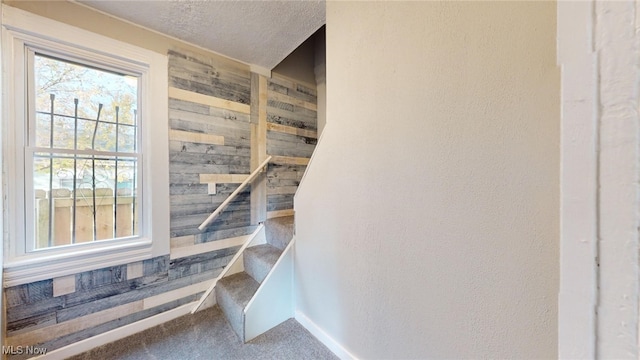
(260, 33)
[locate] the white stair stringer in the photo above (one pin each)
(236, 265)
(273, 301)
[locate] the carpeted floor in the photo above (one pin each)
(207, 335)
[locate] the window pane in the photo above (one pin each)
(126, 138)
(63, 132)
(105, 137)
(43, 130)
(87, 104)
(85, 133)
(127, 209)
(91, 198)
(82, 197)
(51, 198)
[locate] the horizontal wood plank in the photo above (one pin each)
(220, 63)
(282, 81)
(185, 251)
(64, 285)
(208, 100)
(78, 324)
(176, 294)
(135, 270)
(299, 119)
(286, 119)
(181, 241)
(223, 178)
(281, 144)
(195, 137)
(223, 234)
(281, 190)
(291, 100)
(279, 213)
(291, 83)
(193, 148)
(290, 160)
(292, 130)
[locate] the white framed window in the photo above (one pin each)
(85, 150)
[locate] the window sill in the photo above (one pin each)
(26, 270)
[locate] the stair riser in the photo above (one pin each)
(279, 231)
(259, 260)
(233, 293)
(254, 268)
(233, 313)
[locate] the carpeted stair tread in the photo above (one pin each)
(232, 295)
(279, 231)
(234, 292)
(258, 260)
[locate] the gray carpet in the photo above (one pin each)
(207, 335)
(233, 293)
(279, 231)
(258, 260)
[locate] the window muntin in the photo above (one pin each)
(83, 141)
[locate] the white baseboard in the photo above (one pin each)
(119, 333)
(324, 338)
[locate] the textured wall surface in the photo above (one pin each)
(617, 44)
(255, 32)
(598, 308)
(427, 223)
(578, 245)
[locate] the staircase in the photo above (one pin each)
(235, 292)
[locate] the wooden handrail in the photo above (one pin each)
(226, 268)
(233, 194)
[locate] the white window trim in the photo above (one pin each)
(20, 28)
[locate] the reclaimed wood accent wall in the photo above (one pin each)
(214, 122)
(291, 139)
(209, 136)
(57, 312)
(209, 143)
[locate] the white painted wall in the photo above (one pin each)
(427, 223)
(578, 247)
(618, 177)
(598, 308)
(599, 265)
